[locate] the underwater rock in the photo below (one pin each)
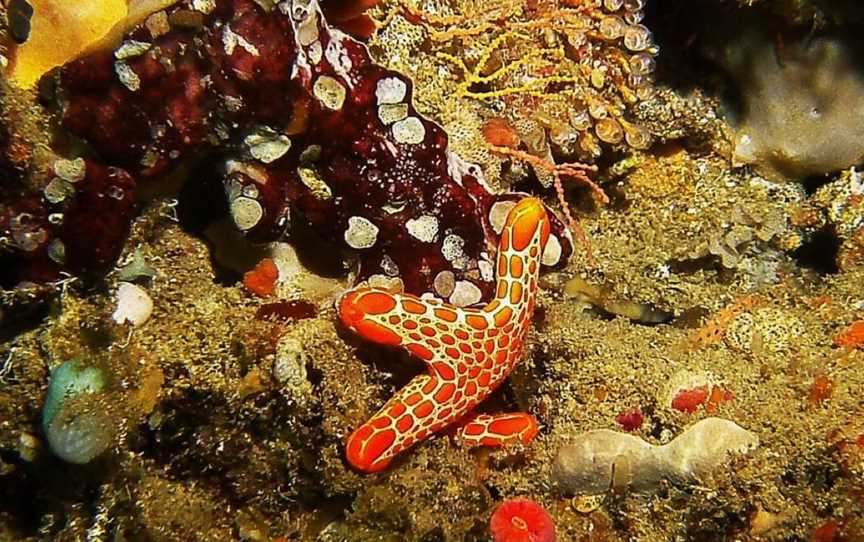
(77, 222)
(302, 120)
(77, 427)
(803, 104)
(603, 459)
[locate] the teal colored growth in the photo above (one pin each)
(70, 379)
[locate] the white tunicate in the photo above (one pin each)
(231, 40)
(25, 234)
(70, 170)
(487, 270)
(127, 76)
(329, 92)
(58, 190)
(389, 266)
(313, 181)
(246, 213)
(390, 113)
(390, 90)
(289, 370)
(361, 233)
(444, 283)
(465, 293)
(498, 214)
(133, 305)
(267, 145)
(204, 6)
(552, 251)
(79, 435)
(130, 48)
(424, 228)
(57, 251)
(409, 131)
(453, 250)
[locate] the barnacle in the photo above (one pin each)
(572, 67)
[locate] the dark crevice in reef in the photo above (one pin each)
(813, 183)
(819, 252)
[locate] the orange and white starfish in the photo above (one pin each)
(468, 352)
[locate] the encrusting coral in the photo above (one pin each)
(300, 118)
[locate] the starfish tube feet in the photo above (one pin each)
(468, 352)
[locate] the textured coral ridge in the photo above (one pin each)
(298, 117)
(468, 352)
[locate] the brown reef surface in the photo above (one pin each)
(233, 428)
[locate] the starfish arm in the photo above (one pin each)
(419, 409)
(498, 430)
(427, 329)
(469, 352)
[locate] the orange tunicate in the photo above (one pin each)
(499, 133)
(261, 281)
(827, 532)
(820, 390)
(689, 400)
(718, 396)
(852, 336)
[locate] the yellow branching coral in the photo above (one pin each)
(564, 74)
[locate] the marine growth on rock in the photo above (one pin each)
(301, 125)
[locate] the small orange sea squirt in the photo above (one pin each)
(261, 280)
(468, 352)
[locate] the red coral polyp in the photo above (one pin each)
(522, 520)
